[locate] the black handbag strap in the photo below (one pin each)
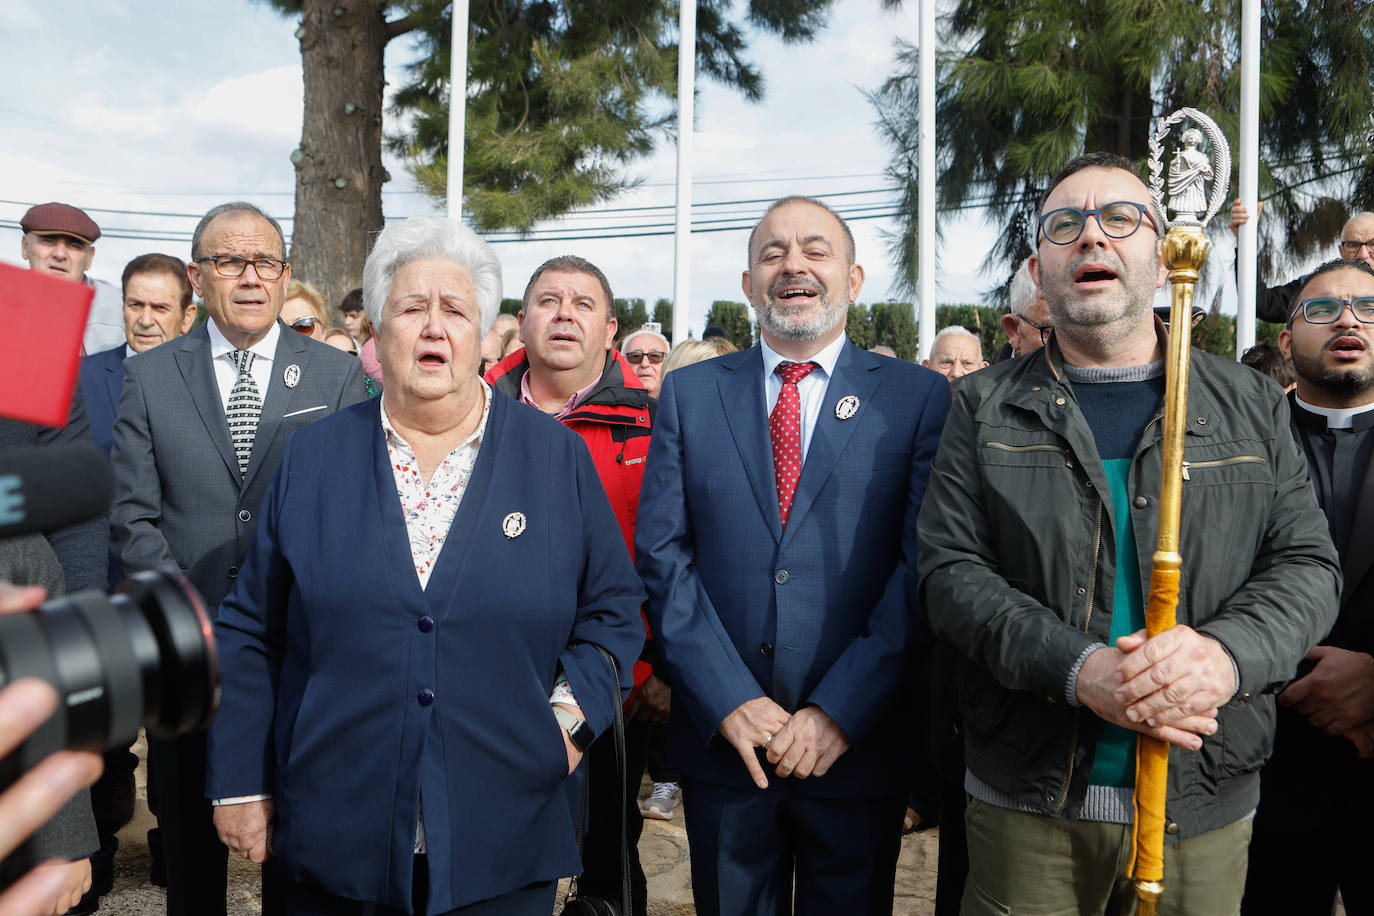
(618, 730)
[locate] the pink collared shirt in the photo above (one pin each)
(578, 397)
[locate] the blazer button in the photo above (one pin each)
(233, 572)
(426, 697)
(245, 515)
(426, 624)
(781, 576)
(766, 648)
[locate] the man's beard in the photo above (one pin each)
(1341, 382)
(785, 327)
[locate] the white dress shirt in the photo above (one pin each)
(227, 371)
(811, 389)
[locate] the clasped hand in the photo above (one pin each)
(801, 744)
(1168, 686)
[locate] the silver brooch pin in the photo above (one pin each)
(847, 407)
(291, 376)
(513, 525)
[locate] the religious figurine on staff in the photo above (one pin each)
(1040, 533)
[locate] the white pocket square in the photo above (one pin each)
(297, 413)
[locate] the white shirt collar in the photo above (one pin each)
(266, 348)
(1336, 417)
(825, 358)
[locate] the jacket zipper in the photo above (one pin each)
(1087, 621)
(1223, 462)
(1026, 448)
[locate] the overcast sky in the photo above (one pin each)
(132, 107)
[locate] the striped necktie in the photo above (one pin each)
(245, 406)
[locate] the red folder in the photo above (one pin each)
(42, 320)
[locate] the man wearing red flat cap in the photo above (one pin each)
(59, 239)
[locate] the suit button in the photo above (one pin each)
(766, 648)
(426, 697)
(233, 572)
(1171, 829)
(245, 515)
(426, 624)
(781, 576)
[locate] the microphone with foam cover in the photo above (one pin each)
(46, 488)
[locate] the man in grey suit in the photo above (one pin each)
(201, 429)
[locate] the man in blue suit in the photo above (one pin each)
(777, 542)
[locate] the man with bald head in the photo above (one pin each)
(776, 540)
(1036, 538)
(201, 429)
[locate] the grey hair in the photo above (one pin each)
(420, 238)
(1022, 292)
(642, 332)
(957, 330)
(236, 206)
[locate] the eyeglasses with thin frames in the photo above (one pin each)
(635, 357)
(233, 266)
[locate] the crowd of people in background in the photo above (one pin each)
(834, 596)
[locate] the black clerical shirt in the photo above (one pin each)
(1338, 460)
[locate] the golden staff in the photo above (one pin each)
(1185, 251)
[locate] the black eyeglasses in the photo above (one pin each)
(1328, 309)
(232, 266)
(1118, 219)
(635, 357)
(1351, 247)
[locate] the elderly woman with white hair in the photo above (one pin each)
(410, 677)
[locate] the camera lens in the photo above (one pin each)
(142, 656)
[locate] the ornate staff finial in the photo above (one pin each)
(1190, 169)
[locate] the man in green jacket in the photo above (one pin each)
(1037, 532)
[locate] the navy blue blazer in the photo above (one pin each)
(349, 692)
(821, 615)
(101, 377)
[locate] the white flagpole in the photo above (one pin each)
(457, 107)
(1248, 167)
(925, 255)
(682, 222)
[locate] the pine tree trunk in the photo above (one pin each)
(1125, 125)
(341, 142)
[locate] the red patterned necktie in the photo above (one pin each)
(784, 428)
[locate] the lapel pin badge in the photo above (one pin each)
(513, 525)
(847, 407)
(292, 376)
